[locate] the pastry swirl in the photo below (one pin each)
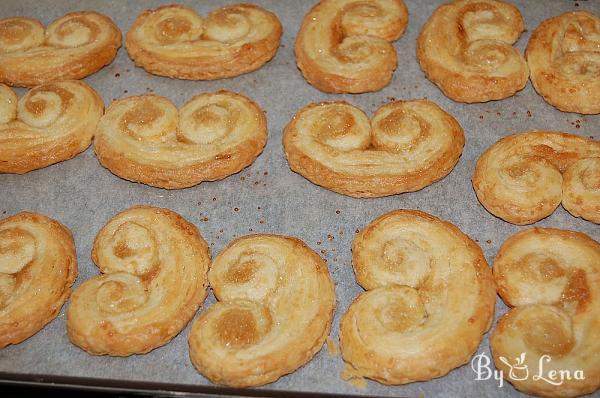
(38, 265)
(175, 41)
(72, 47)
(406, 146)
(146, 139)
(430, 298)
(523, 177)
(564, 58)
(154, 266)
(51, 123)
(465, 48)
(551, 279)
(276, 303)
(343, 46)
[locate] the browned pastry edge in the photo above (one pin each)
(10, 334)
(74, 69)
(332, 83)
(484, 311)
(120, 343)
(367, 186)
(238, 158)
(249, 58)
(55, 153)
(295, 362)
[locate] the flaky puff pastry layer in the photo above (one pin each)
(524, 177)
(406, 146)
(465, 48)
(37, 268)
(551, 279)
(175, 41)
(154, 265)
(146, 139)
(276, 303)
(344, 46)
(430, 298)
(72, 47)
(564, 58)
(51, 123)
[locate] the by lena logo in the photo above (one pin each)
(518, 370)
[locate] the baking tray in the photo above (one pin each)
(269, 198)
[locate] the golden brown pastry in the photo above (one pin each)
(146, 139)
(51, 123)
(430, 298)
(175, 41)
(37, 268)
(72, 47)
(406, 146)
(465, 48)
(344, 46)
(564, 58)
(523, 177)
(276, 303)
(153, 280)
(551, 278)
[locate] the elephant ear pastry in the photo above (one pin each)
(564, 58)
(524, 177)
(550, 278)
(275, 305)
(175, 41)
(430, 298)
(344, 46)
(153, 280)
(38, 265)
(146, 139)
(51, 123)
(406, 146)
(465, 48)
(72, 47)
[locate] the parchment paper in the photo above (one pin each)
(269, 197)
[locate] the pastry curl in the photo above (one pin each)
(72, 47)
(146, 139)
(406, 146)
(343, 46)
(551, 278)
(175, 41)
(51, 123)
(154, 266)
(564, 58)
(465, 48)
(430, 299)
(37, 268)
(276, 303)
(523, 177)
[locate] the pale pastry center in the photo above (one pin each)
(17, 249)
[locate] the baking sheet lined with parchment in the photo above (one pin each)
(268, 197)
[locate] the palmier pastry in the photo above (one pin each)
(564, 58)
(430, 298)
(344, 46)
(72, 47)
(406, 146)
(175, 41)
(146, 139)
(465, 48)
(37, 268)
(551, 278)
(154, 266)
(276, 303)
(523, 177)
(51, 123)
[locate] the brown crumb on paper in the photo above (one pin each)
(352, 376)
(332, 347)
